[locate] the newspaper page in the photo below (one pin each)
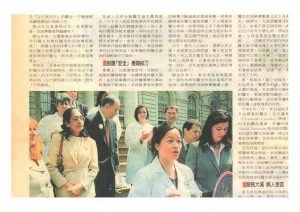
(199, 62)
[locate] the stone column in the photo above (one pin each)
(130, 103)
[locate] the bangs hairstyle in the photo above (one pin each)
(66, 132)
(159, 133)
(137, 110)
(35, 152)
(216, 117)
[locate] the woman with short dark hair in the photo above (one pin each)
(80, 158)
(165, 177)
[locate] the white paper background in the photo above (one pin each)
(9, 7)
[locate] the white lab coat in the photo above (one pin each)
(138, 155)
(152, 181)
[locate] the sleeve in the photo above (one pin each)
(93, 166)
(132, 137)
(140, 187)
(116, 149)
(58, 179)
(118, 127)
(44, 130)
(191, 161)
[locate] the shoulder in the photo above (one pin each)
(132, 125)
(48, 117)
(89, 140)
(184, 168)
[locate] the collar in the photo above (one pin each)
(102, 116)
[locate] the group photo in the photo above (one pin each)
(130, 144)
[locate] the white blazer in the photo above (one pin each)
(80, 162)
(39, 180)
(152, 181)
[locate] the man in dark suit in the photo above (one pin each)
(82, 107)
(191, 133)
(102, 129)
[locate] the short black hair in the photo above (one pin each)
(160, 132)
(189, 124)
(136, 112)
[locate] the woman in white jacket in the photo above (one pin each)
(165, 177)
(137, 137)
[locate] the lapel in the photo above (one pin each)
(212, 157)
(161, 174)
(182, 154)
(223, 157)
(68, 149)
(99, 126)
(180, 178)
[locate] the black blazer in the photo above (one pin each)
(82, 107)
(96, 129)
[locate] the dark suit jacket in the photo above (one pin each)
(96, 129)
(82, 107)
(204, 165)
(182, 155)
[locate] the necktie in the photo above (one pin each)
(187, 148)
(107, 132)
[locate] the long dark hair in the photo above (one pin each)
(66, 132)
(216, 117)
(160, 132)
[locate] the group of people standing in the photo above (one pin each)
(79, 148)
(185, 162)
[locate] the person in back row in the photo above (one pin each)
(138, 136)
(51, 124)
(191, 133)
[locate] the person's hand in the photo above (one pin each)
(75, 190)
(173, 194)
(145, 136)
(67, 185)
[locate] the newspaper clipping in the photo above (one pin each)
(179, 70)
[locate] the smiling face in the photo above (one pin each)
(142, 115)
(171, 115)
(32, 135)
(170, 146)
(218, 131)
(76, 123)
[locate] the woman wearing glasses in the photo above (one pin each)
(80, 159)
(165, 177)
